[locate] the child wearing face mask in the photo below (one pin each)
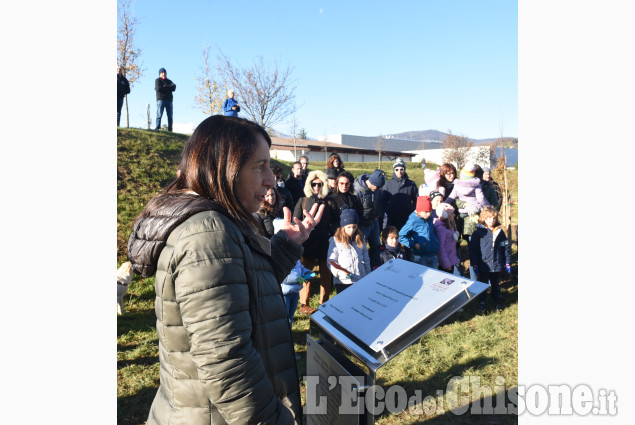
(348, 256)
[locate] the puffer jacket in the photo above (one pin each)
(447, 245)
(489, 249)
(401, 200)
(316, 246)
(468, 191)
(351, 257)
(225, 346)
(419, 231)
(367, 198)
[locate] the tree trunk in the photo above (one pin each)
(127, 117)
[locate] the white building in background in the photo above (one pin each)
(431, 150)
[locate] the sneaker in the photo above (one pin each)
(481, 308)
(305, 309)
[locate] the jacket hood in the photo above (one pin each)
(472, 183)
(312, 176)
(151, 230)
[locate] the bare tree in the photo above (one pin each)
(379, 147)
(293, 126)
(266, 91)
(457, 149)
(128, 55)
(302, 134)
(210, 96)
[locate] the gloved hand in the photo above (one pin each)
(509, 268)
(475, 268)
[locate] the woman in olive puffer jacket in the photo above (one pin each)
(225, 346)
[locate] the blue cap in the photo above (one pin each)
(348, 216)
(377, 178)
(162, 70)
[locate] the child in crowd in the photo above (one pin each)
(291, 286)
(348, 256)
(391, 248)
(445, 228)
(490, 254)
(418, 234)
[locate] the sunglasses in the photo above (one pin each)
(316, 184)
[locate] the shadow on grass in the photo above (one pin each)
(143, 361)
(134, 409)
(466, 414)
(141, 320)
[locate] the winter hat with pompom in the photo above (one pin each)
(467, 172)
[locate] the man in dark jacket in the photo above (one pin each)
(402, 195)
(164, 88)
(123, 88)
(366, 188)
(294, 183)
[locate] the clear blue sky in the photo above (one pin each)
(363, 68)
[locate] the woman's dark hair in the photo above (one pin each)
(266, 207)
(212, 158)
(350, 178)
(446, 168)
(332, 158)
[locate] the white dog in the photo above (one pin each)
(124, 277)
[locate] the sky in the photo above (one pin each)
(366, 68)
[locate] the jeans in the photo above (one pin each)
(431, 261)
(371, 232)
(291, 302)
(119, 105)
(161, 105)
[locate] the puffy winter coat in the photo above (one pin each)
(489, 250)
(225, 346)
(367, 198)
(489, 192)
(419, 231)
(266, 221)
(468, 191)
(352, 258)
(447, 245)
(317, 245)
(402, 199)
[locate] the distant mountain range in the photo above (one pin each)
(440, 136)
(435, 135)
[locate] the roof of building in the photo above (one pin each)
(280, 143)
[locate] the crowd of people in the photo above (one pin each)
(372, 219)
(232, 246)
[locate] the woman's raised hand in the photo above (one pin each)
(298, 231)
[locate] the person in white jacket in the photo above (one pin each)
(348, 256)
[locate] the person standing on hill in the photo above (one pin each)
(164, 88)
(230, 106)
(123, 88)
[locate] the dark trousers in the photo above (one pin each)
(493, 278)
(119, 105)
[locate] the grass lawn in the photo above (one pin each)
(465, 345)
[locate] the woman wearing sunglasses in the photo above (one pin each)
(316, 246)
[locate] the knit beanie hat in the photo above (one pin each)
(434, 194)
(377, 178)
(331, 173)
(467, 172)
(162, 70)
(424, 204)
(486, 170)
(348, 216)
(441, 212)
(399, 163)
